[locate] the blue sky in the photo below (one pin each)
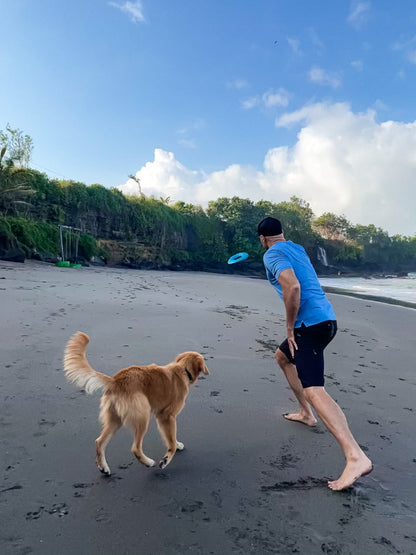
(209, 98)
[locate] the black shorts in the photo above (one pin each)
(309, 356)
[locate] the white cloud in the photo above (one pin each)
(165, 177)
(358, 15)
(251, 102)
(323, 77)
(316, 41)
(408, 47)
(342, 162)
(133, 9)
(185, 134)
(237, 84)
(276, 98)
(269, 99)
(294, 45)
(348, 163)
(188, 143)
(357, 64)
(380, 106)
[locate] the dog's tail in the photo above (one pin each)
(77, 368)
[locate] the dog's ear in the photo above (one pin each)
(199, 364)
(196, 361)
(203, 367)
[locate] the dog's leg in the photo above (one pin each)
(140, 428)
(167, 427)
(113, 423)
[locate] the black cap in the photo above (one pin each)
(269, 227)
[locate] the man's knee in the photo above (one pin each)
(313, 393)
(280, 357)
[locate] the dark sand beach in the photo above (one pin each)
(248, 481)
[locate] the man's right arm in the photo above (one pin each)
(291, 297)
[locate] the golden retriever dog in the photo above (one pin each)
(133, 394)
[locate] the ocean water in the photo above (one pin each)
(402, 289)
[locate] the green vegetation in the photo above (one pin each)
(14, 188)
(143, 231)
(35, 236)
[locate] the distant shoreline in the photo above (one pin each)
(368, 297)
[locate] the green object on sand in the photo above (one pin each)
(67, 264)
(69, 239)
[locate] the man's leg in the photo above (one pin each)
(305, 414)
(358, 464)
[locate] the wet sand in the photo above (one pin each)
(248, 481)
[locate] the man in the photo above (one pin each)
(311, 325)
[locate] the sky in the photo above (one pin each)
(202, 99)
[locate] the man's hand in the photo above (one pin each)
(292, 341)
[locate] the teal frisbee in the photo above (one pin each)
(239, 257)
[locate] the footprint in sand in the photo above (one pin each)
(34, 515)
(81, 485)
(301, 484)
(102, 516)
(217, 498)
(192, 507)
(59, 509)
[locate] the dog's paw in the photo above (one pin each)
(164, 463)
(180, 446)
(105, 470)
(149, 462)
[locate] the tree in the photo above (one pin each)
(376, 242)
(13, 187)
(18, 146)
(296, 217)
(331, 226)
(188, 209)
(240, 218)
(368, 234)
(137, 180)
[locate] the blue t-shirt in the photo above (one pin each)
(314, 305)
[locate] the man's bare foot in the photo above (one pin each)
(352, 472)
(307, 419)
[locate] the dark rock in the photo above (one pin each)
(13, 255)
(45, 257)
(98, 261)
